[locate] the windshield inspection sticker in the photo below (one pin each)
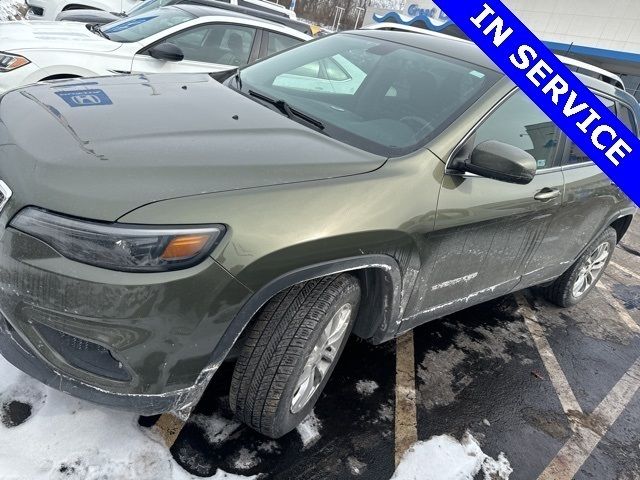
(85, 98)
(552, 86)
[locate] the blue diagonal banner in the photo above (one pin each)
(552, 86)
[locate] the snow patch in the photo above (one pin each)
(309, 430)
(356, 467)
(246, 459)
(386, 412)
(269, 447)
(444, 458)
(216, 428)
(69, 439)
(11, 9)
(366, 387)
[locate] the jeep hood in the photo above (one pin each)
(99, 148)
(18, 37)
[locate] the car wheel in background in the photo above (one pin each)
(290, 351)
(579, 280)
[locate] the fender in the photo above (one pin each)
(625, 212)
(380, 330)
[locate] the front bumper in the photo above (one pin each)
(160, 329)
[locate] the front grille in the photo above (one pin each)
(5, 194)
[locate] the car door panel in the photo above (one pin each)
(590, 200)
(490, 234)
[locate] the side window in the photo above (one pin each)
(223, 44)
(334, 71)
(576, 155)
(277, 42)
(626, 115)
(519, 122)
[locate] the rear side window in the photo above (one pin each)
(519, 122)
(276, 42)
(626, 115)
(576, 155)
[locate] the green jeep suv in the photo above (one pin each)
(154, 226)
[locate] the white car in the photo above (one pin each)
(172, 39)
(49, 9)
(330, 75)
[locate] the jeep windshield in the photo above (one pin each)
(139, 27)
(380, 96)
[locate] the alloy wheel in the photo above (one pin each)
(322, 357)
(591, 269)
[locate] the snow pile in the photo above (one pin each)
(366, 387)
(10, 9)
(66, 438)
(309, 430)
(444, 458)
(216, 428)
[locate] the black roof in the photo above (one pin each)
(451, 47)
(240, 12)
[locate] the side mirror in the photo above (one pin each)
(499, 161)
(166, 51)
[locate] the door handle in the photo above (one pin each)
(547, 194)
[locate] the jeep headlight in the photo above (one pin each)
(123, 247)
(10, 61)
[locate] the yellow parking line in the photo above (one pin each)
(593, 428)
(627, 319)
(168, 427)
(625, 270)
(406, 429)
(556, 375)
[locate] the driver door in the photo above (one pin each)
(206, 48)
(490, 234)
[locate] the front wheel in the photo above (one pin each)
(579, 280)
(290, 351)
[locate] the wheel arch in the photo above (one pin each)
(381, 282)
(621, 225)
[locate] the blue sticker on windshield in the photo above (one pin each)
(85, 98)
(128, 24)
(552, 86)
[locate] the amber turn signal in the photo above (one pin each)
(184, 246)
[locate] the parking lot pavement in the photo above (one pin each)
(552, 391)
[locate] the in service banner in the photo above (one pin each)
(552, 86)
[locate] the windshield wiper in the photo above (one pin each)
(287, 109)
(95, 28)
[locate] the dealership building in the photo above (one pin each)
(603, 33)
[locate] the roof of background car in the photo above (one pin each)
(451, 47)
(205, 11)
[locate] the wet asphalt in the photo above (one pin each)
(477, 370)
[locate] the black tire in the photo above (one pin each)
(561, 292)
(279, 344)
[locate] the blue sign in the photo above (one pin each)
(85, 98)
(435, 13)
(552, 86)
